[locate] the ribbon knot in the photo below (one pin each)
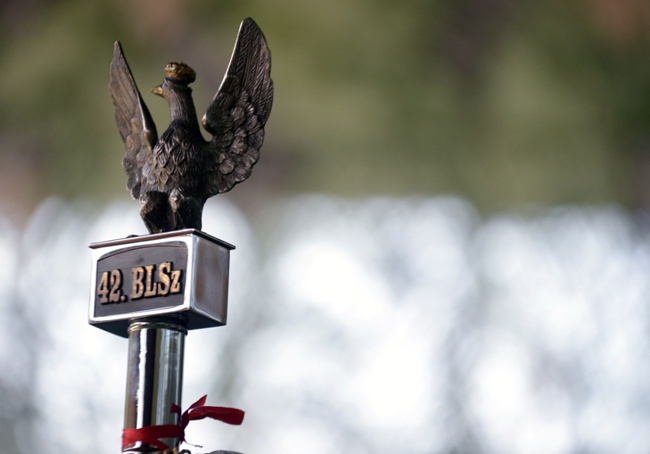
(198, 410)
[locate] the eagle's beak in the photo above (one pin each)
(157, 90)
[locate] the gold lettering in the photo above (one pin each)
(176, 282)
(137, 288)
(150, 288)
(116, 286)
(147, 282)
(102, 289)
(165, 281)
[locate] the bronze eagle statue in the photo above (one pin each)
(173, 175)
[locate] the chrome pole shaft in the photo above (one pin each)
(154, 377)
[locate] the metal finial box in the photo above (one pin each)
(182, 273)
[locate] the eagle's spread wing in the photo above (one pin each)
(237, 114)
(134, 121)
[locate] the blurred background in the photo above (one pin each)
(443, 249)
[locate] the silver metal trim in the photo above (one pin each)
(161, 236)
(205, 292)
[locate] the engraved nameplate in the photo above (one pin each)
(182, 273)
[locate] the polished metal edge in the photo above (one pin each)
(160, 236)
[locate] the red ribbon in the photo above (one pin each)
(198, 410)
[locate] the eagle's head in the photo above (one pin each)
(176, 73)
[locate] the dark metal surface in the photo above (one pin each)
(155, 287)
(173, 175)
(182, 274)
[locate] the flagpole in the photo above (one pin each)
(153, 289)
(154, 377)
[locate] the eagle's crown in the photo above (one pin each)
(180, 72)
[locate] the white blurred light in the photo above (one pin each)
(373, 326)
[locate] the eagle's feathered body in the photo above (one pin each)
(175, 174)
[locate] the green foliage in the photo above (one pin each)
(505, 103)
